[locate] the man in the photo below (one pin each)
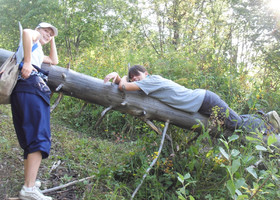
(199, 100)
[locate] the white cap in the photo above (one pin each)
(47, 25)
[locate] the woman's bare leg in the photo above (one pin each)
(31, 167)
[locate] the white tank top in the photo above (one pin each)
(37, 56)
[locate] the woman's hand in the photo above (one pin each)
(26, 70)
(52, 58)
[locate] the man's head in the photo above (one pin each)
(137, 73)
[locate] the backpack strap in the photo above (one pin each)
(33, 49)
(34, 46)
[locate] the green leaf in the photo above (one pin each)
(232, 138)
(252, 138)
(227, 113)
(180, 178)
(261, 148)
(183, 191)
(235, 152)
(238, 192)
(231, 187)
(242, 197)
(252, 171)
(229, 168)
(196, 126)
(181, 197)
(224, 153)
(271, 139)
(191, 197)
(235, 166)
(225, 143)
(187, 176)
(270, 185)
(240, 182)
(256, 185)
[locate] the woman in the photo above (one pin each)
(30, 104)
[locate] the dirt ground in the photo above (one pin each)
(11, 167)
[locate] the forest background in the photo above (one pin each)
(230, 47)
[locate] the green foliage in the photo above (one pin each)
(183, 193)
(243, 181)
(29, 13)
(228, 47)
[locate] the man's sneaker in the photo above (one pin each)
(34, 194)
(274, 119)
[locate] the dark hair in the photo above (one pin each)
(134, 70)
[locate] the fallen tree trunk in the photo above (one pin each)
(93, 90)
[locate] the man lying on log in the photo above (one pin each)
(199, 100)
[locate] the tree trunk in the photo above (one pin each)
(93, 90)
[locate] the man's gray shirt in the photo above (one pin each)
(171, 93)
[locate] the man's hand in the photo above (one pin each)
(115, 76)
(128, 86)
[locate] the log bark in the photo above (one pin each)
(93, 90)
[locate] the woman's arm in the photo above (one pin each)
(52, 58)
(28, 38)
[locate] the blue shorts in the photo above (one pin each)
(31, 117)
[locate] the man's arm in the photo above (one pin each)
(128, 86)
(122, 82)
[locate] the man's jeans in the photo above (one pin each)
(213, 103)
